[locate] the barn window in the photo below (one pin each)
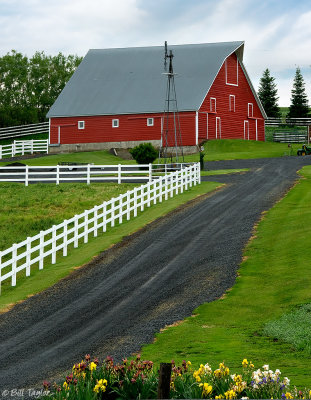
(232, 102)
(115, 123)
(212, 104)
(232, 70)
(150, 121)
(250, 109)
(81, 124)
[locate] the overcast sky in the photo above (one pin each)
(277, 33)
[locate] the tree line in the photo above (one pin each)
(268, 95)
(29, 86)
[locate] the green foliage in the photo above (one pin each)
(299, 107)
(294, 328)
(144, 153)
(267, 94)
(29, 86)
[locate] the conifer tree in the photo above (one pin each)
(299, 107)
(268, 95)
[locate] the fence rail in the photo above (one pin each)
(24, 146)
(290, 137)
(47, 245)
(85, 173)
(23, 130)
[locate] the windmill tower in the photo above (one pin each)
(171, 142)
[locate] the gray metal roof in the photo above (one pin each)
(131, 80)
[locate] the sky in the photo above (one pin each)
(277, 33)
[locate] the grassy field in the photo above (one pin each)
(214, 150)
(25, 210)
(49, 209)
(273, 280)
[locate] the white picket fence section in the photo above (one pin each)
(48, 244)
(24, 130)
(85, 173)
(21, 147)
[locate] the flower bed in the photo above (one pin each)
(138, 379)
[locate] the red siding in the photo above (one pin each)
(231, 118)
(132, 127)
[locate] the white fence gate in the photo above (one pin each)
(47, 245)
(22, 147)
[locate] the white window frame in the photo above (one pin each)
(115, 123)
(81, 125)
(150, 121)
(250, 107)
(210, 105)
(237, 73)
(246, 133)
(232, 96)
(218, 119)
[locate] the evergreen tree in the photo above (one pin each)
(268, 95)
(299, 107)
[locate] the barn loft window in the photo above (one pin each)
(81, 124)
(150, 121)
(250, 109)
(115, 123)
(232, 70)
(232, 102)
(212, 104)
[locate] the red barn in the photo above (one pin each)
(116, 98)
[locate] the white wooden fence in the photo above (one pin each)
(24, 130)
(84, 173)
(24, 146)
(47, 245)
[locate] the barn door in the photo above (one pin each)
(246, 130)
(218, 128)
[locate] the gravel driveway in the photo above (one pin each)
(153, 278)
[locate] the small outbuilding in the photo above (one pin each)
(116, 98)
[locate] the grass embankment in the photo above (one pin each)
(44, 202)
(273, 280)
(227, 149)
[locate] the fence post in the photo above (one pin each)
(142, 197)
(112, 208)
(164, 380)
(95, 220)
(65, 238)
(148, 194)
(150, 172)
(28, 248)
(31, 143)
(57, 174)
(76, 232)
(86, 226)
(121, 208)
(198, 173)
(53, 244)
(13, 149)
(0, 159)
(26, 175)
(135, 202)
(88, 176)
(128, 203)
(14, 255)
(104, 216)
(119, 174)
(41, 250)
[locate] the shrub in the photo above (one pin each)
(145, 153)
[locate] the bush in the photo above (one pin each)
(145, 153)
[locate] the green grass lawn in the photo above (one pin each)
(25, 210)
(227, 149)
(34, 214)
(273, 280)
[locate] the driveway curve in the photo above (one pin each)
(155, 277)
